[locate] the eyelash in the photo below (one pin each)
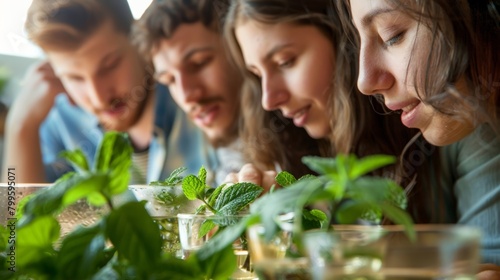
(394, 40)
(287, 63)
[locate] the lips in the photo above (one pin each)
(410, 114)
(206, 115)
(117, 109)
(299, 116)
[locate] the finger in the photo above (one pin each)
(249, 173)
(488, 266)
(268, 180)
(488, 275)
(231, 178)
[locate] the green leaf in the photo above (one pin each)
(34, 240)
(172, 268)
(321, 165)
(83, 186)
(313, 219)
(369, 164)
(206, 227)
(215, 194)
(235, 197)
(193, 187)
(134, 235)
(399, 216)
(284, 179)
(349, 211)
(225, 238)
(4, 237)
(82, 253)
(173, 179)
(220, 265)
(202, 175)
(114, 155)
(77, 159)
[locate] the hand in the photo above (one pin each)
(488, 271)
(250, 173)
(29, 110)
(39, 89)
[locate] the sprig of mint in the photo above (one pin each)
(225, 200)
(343, 182)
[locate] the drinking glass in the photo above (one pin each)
(191, 227)
(79, 213)
(163, 203)
(271, 258)
(387, 252)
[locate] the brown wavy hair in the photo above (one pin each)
(465, 42)
(355, 126)
(65, 25)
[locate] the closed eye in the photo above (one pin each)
(394, 40)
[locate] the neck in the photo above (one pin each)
(142, 131)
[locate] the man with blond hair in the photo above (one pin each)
(93, 81)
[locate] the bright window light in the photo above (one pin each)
(13, 39)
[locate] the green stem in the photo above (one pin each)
(208, 206)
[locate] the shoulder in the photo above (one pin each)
(481, 148)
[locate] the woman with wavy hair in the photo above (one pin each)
(436, 63)
(298, 67)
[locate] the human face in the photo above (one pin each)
(105, 77)
(194, 65)
(295, 65)
(394, 47)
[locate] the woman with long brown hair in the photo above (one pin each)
(436, 63)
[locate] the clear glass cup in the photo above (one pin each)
(163, 205)
(272, 259)
(78, 214)
(376, 252)
(191, 229)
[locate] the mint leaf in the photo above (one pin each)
(202, 175)
(34, 241)
(173, 179)
(369, 164)
(321, 165)
(84, 185)
(134, 234)
(77, 159)
(193, 188)
(220, 265)
(215, 194)
(225, 238)
(206, 227)
(284, 179)
(82, 253)
(114, 155)
(235, 197)
(172, 268)
(348, 212)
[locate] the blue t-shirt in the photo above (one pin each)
(176, 141)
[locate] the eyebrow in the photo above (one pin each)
(273, 51)
(368, 18)
(186, 57)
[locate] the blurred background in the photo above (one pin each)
(17, 53)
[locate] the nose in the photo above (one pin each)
(374, 77)
(188, 87)
(99, 93)
(274, 93)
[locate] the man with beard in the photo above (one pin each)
(93, 81)
(184, 41)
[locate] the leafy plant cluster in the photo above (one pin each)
(124, 244)
(343, 183)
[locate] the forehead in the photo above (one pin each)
(186, 38)
(105, 41)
